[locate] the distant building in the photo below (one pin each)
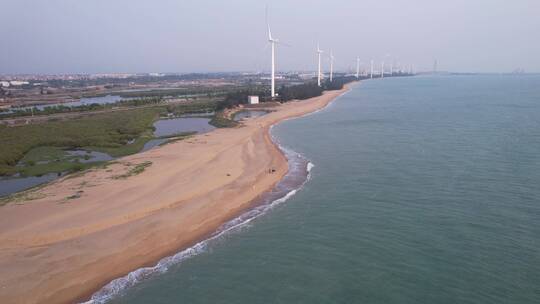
(253, 99)
(4, 84)
(18, 83)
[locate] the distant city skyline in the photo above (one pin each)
(99, 36)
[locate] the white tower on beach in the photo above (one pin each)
(371, 74)
(357, 67)
(319, 52)
(331, 66)
(273, 42)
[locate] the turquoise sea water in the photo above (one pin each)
(424, 190)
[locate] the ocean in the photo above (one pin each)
(421, 190)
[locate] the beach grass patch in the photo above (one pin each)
(134, 170)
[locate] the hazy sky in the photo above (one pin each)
(100, 36)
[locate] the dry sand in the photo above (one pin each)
(79, 233)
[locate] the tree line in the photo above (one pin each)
(285, 93)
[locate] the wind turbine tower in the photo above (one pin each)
(331, 66)
(357, 67)
(371, 74)
(319, 52)
(382, 69)
(273, 42)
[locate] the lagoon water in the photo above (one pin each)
(81, 102)
(173, 126)
(424, 190)
(176, 126)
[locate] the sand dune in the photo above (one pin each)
(79, 233)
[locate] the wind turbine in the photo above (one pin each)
(273, 42)
(371, 74)
(331, 66)
(319, 52)
(382, 66)
(357, 67)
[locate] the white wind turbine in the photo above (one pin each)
(371, 74)
(273, 42)
(331, 66)
(357, 67)
(382, 65)
(319, 52)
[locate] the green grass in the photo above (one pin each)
(220, 121)
(43, 160)
(56, 167)
(119, 150)
(105, 132)
(45, 153)
(108, 132)
(203, 106)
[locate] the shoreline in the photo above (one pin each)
(280, 193)
(56, 250)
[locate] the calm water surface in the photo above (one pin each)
(425, 190)
(167, 127)
(83, 101)
(9, 185)
(173, 126)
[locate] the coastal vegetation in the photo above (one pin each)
(311, 89)
(37, 149)
(220, 121)
(178, 92)
(285, 93)
(108, 132)
(301, 91)
(198, 107)
(58, 109)
(134, 170)
(338, 83)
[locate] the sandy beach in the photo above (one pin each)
(79, 233)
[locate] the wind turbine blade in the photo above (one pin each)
(268, 24)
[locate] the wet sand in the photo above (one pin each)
(79, 233)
